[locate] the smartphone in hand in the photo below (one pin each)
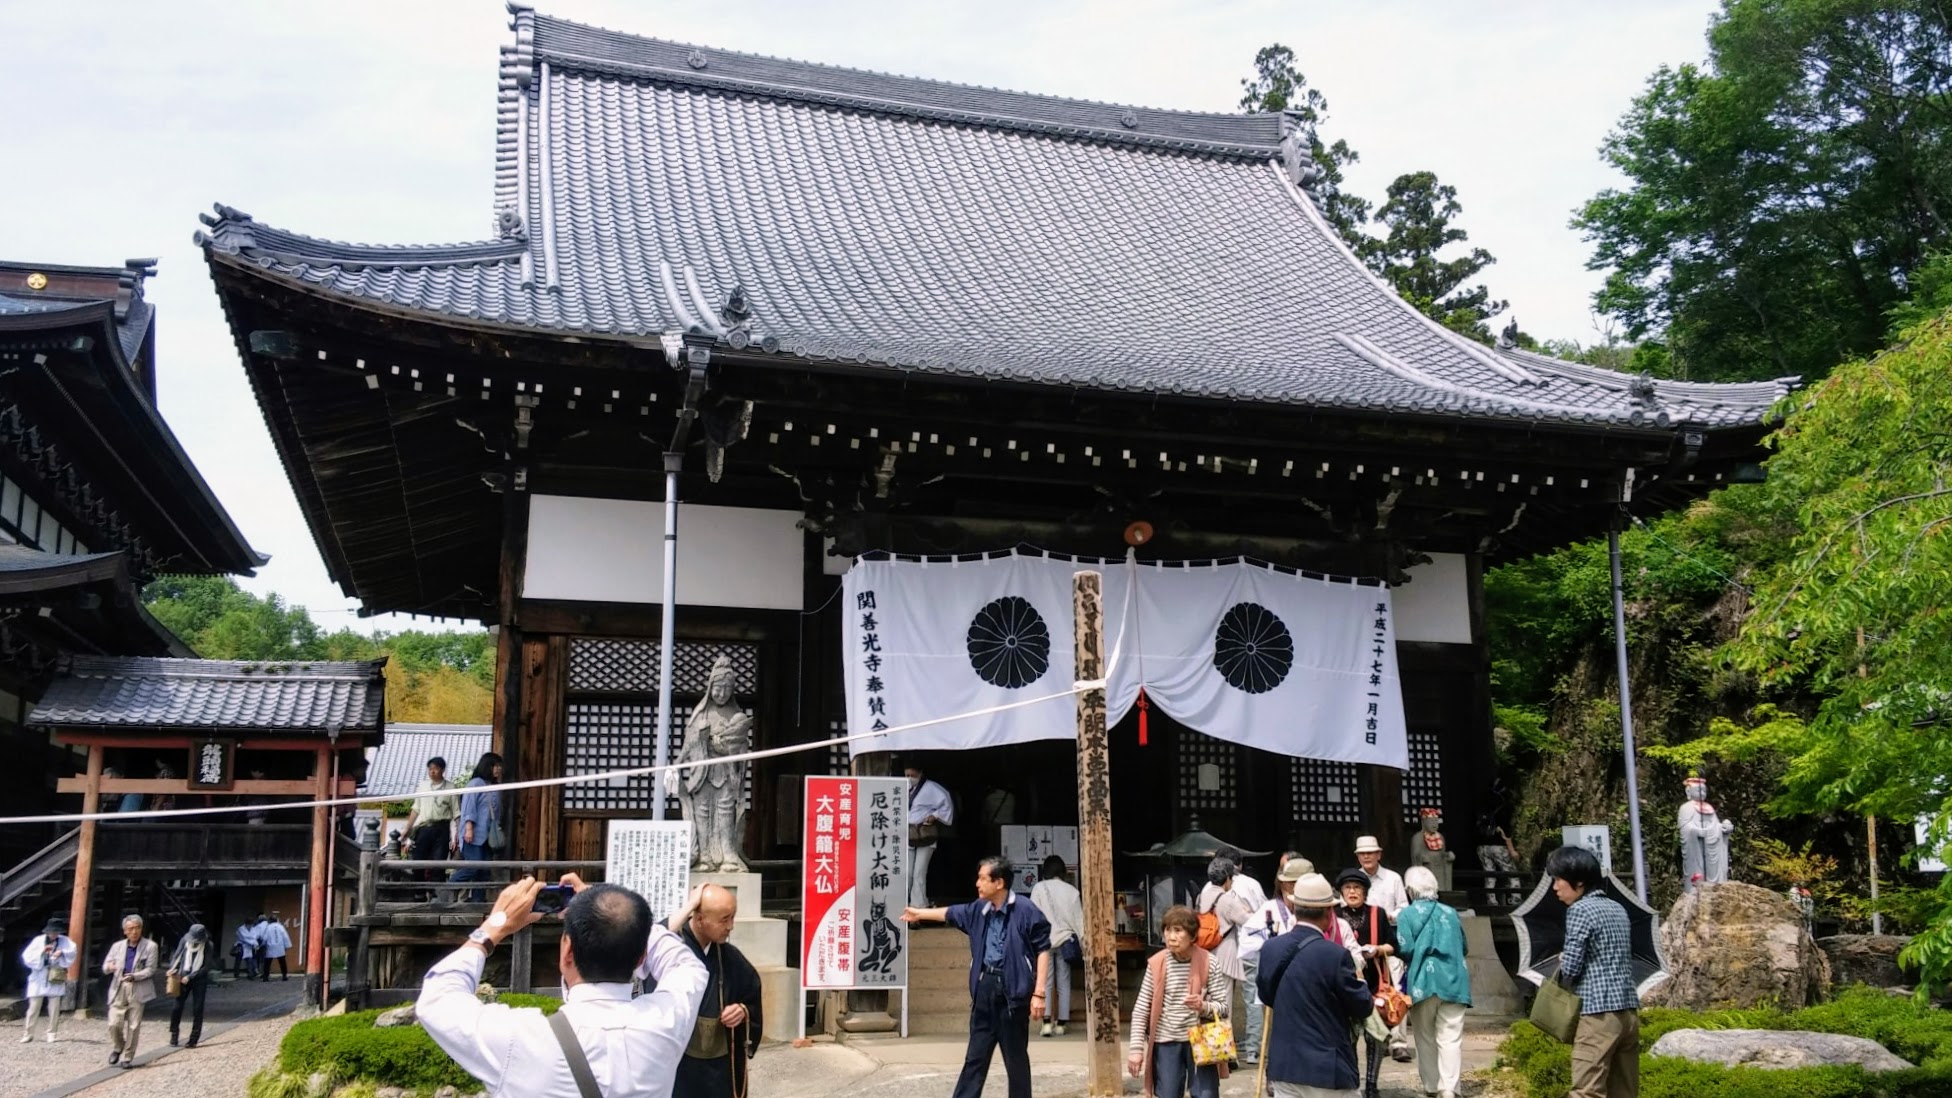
(551, 899)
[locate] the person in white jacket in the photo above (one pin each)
(48, 958)
(1058, 899)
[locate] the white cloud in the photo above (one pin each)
(374, 121)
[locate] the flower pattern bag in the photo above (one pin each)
(1213, 1042)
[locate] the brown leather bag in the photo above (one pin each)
(1393, 1005)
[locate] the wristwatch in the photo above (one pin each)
(480, 935)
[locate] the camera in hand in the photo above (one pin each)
(552, 899)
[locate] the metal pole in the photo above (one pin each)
(1870, 832)
(661, 749)
(1626, 714)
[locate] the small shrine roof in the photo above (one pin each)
(215, 695)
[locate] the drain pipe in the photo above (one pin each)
(693, 358)
(1626, 701)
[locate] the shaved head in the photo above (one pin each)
(718, 910)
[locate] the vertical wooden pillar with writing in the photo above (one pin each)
(91, 802)
(1095, 843)
(316, 978)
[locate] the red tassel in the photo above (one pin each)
(1144, 706)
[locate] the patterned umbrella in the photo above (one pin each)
(1541, 924)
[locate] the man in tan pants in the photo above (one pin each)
(131, 970)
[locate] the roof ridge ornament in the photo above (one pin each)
(1299, 161)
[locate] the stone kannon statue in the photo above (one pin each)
(1704, 838)
(712, 794)
(1429, 850)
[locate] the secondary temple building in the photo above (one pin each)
(868, 313)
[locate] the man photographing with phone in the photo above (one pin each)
(602, 1043)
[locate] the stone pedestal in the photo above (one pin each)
(763, 941)
(1492, 989)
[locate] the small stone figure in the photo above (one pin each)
(712, 794)
(1429, 850)
(1704, 845)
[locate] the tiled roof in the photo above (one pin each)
(913, 225)
(398, 766)
(215, 695)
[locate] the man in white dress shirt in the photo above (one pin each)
(632, 1045)
(929, 811)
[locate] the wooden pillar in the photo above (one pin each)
(1105, 1041)
(316, 978)
(542, 744)
(91, 801)
(505, 729)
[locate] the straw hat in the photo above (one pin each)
(1312, 890)
(1297, 868)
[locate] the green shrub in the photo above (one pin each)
(1913, 1030)
(350, 1048)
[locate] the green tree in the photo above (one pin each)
(1781, 194)
(431, 677)
(1276, 86)
(1418, 215)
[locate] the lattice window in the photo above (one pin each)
(1325, 792)
(631, 666)
(837, 754)
(616, 732)
(1207, 776)
(1423, 786)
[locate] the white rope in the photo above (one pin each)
(543, 783)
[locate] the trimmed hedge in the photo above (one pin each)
(349, 1049)
(1918, 1032)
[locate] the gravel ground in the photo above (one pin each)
(220, 1064)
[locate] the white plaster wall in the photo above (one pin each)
(612, 550)
(1436, 604)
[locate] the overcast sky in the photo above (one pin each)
(374, 122)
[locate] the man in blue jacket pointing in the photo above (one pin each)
(1009, 943)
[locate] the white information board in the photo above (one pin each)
(653, 859)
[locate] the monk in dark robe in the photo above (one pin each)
(729, 1022)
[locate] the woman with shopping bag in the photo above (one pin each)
(1181, 1038)
(189, 980)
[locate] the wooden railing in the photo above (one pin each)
(160, 846)
(39, 866)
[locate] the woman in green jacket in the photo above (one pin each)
(1431, 939)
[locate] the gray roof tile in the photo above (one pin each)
(921, 226)
(215, 695)
(397, 767)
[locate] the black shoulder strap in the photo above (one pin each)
(579, 1064)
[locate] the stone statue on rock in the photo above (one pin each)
(712, 794)
(1429, 850)
(1704, 838)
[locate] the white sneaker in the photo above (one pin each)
(1060, 1029)
(1047, 1030)
(50, 1038)
(26, 1037)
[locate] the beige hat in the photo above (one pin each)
(1312, 890)
(1296, 868)
(1367, 844)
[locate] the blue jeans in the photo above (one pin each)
(473, 852)
(1174, 1074)
(1250, 1040)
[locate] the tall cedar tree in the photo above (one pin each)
(1418, 214)
(1278, 86)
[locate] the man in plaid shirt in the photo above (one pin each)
(1598, 965)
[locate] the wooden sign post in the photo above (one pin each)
(1103, 1062)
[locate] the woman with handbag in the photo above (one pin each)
(1181, 1039)
(1058, 899)
(1438, 980)
(1375, 944)
(188, 980)
(480, 816)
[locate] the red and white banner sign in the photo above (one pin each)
(854, 883)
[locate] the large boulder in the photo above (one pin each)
(1769, 1048)
(1736, 945)
(1866, 959)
